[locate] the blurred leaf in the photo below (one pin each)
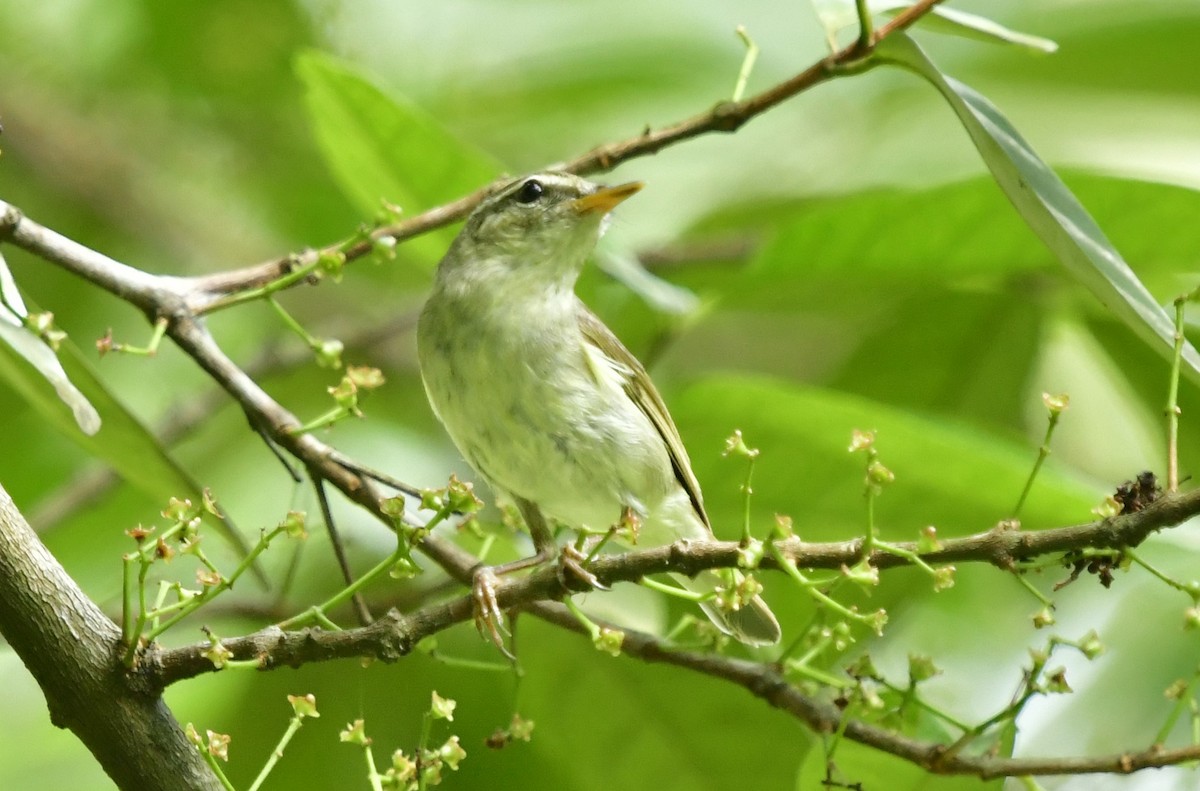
(948, 475)
(19, 340)
(123, 442)
(839, 15)
(963, 354)
(963, 229)
(381, 147)
(960, 23)
(865, 767)
(622, 265)
(1047, 205)
(671, 729)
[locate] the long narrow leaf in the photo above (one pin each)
(1046, 205)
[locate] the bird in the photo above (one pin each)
(541, 398)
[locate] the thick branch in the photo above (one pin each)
(73, 651)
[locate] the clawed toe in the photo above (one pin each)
(571, 560)
(489, 618)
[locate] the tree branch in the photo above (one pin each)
(724, 117)
(767, 683)
(72, 649)
(395, 634)
(182, 301)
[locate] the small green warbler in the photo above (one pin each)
(542, 399)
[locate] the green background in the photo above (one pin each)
(890, 287)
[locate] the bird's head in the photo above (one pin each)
(540, 227)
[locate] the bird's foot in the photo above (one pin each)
(570, 561)
(489, 618)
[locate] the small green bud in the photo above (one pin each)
(293, 524)
(385, 247)
(329, 353)
(218, 745)
(878, 620)
(863, 667)
(442, 708)
(217, 653)
(921, 668)
(1090, 645)
(304, 705)
(1108, 508)
(452, 752)
(868, 693)
(54, 338)
(365, 377)
(332, 263)
(345, 395)
(177, 509)
(403, 768)
(862, 573)
(1043, 618)
(460, 496)
(750, 555)
(927, 541)
(878, 475)
(431, 769)
(403, 569)
(609, 640)
(861, 440)
(735, 445)
(1056, 404)
(784, 528)
(355, 733)
(521, 728)
(209, 503)
(943, 578)
(432, 499)
(1057, 684)
(393, 508)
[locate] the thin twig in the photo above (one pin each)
(724, 117)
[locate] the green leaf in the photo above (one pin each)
(860, 766)
(1046, 204)
(964, 354)
(839, 15)
(19, 340)
(952, 21)
(122, 441)
(949, 475)
(381, 147)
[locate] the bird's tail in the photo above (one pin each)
(752, 624)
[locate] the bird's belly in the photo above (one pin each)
(578, 447)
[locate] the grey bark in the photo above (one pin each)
(73, 651)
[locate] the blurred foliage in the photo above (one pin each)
(889, 286)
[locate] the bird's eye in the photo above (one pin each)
(530, 191)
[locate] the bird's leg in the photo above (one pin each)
(570, 559)
(489, 618)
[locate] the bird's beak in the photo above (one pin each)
(605, 199)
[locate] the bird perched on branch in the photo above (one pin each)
(544, 401)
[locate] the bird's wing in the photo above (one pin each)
(643, 393)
